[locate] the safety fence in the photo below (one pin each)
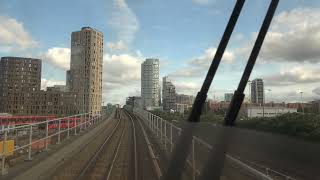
(34, 137)
(168, 135)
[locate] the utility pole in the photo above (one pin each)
(302, 105)
(249, 82)
(264, 100)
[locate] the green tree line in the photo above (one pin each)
(304, 126)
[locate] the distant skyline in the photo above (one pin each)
(183, 35)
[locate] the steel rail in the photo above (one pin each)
(157, 168)
(115, 156)
(97, 153)
(135, 147)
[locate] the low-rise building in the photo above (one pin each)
(134, 102)
(260, 111)
(316, 106)
(137, 102)
(182, 108)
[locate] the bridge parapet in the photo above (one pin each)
(168, 135)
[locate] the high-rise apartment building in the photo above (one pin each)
(68, 80)
(150, 87)
(58, 88)
(228, 97)
(168, 94)
(19, 79)
(257, 91)
(86, 68)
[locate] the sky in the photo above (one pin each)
(182, 34)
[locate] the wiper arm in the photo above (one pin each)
(238, 96)
(215, 163)
(181, 151)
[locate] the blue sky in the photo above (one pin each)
(182, 34)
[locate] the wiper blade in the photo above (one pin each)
(238, 96)
(182, 149)
(214, 166)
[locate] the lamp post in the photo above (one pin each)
(264, 101)
(250, 82)
(302, 105)
(250, 99)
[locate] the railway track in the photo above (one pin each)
(124, 164)
(122, 154)
(98, 165)
(147, 161)
(72, 167)
(112, 160)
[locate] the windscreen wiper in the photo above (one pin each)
(182, 148)
(214, 166)
(238, 96)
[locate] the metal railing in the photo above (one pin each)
(42, 132)
(168, 135)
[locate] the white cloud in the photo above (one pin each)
(316, 91)
(116, 46)
(122, 68)
(292, 42)
(286, 84)
(294, 76)
(200, 65)
(59, 57)
(289, 95)
(14, 36)
(123, 21)
(186, 72)
(121, 73)
(184, 87)
(121, 77)
(206, 58)
(47, 83)
(293, 37)
(202, 2)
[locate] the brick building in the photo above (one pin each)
(20, 90)
(168, 94)
(85, 75)
(19, 79)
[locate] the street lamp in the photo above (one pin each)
(269, 90)
(101, 112)
(250, 82)
(250, 98)
(302, 105)
(264, 101)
